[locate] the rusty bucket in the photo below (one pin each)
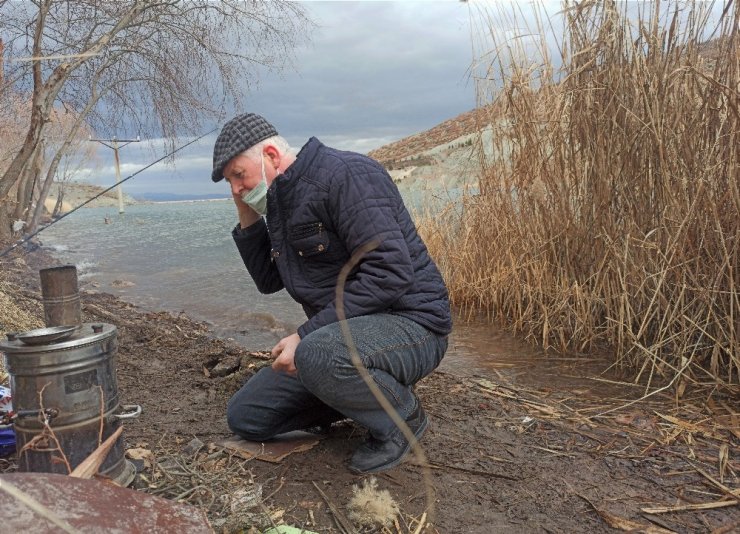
(65, 398)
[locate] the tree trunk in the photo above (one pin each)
(5, 232)
(21, 192)
(27, 184)
(58, 205)
(45, 188)
(34, 191)
(54, 165)
(45, 92)
(35, 215)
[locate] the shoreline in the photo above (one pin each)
(493, 446)
(185, 201)
(77, 193)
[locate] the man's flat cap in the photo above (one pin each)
(239, 134)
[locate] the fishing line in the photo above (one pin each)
(27, 238)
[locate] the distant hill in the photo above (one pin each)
(173, 197)
(406, 151)
(76, 193)
(438, 163)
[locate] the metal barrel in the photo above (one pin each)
(73, 381)
(61, 296)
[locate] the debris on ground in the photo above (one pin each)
(502, 457)
(274, 450)
(371, 507)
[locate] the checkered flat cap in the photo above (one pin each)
(238, 135)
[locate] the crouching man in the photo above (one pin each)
(301, 217)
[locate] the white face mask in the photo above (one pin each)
(257, 197)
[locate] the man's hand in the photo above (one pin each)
(247, 216)
(284, 354)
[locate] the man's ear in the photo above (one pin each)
(273, 154)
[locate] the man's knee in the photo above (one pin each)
(244, 421)
(319, 355)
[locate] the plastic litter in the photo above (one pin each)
(6, 400)
(7, 440)
(7, 434)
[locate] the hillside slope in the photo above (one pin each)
(395, 154)
(76, 193)
(434, 166)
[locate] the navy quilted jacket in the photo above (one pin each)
(325, 206)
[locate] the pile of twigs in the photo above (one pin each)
(208, 477)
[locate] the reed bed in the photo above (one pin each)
(608, 214)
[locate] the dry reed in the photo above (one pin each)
(609, 207)
(18, 312)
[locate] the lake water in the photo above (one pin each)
(180, 257)
(174, 256)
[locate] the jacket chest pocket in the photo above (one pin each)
(320, 254)
(309, 239)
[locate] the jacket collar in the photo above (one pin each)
(302, 162)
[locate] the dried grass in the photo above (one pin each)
(609, 197)
(210, 479)
(18, 312)
(372, 507)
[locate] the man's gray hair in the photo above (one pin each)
(277, 141)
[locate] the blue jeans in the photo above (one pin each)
(396, 351)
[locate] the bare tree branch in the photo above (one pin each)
(167, 65)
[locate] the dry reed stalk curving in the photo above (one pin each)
(607, 215)
(416, 447)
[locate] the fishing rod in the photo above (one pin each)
(34, 234)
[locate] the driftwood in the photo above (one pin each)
(90, 465)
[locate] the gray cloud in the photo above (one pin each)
(375, 69)
(374, 72)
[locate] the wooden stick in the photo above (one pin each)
(421, 523)
(685, 507)
(342, 522)
(92, 463)
(731, 492)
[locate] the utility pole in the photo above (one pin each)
(115, 146)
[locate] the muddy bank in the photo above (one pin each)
(503, 458)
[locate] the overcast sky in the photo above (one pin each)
(373, 73)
